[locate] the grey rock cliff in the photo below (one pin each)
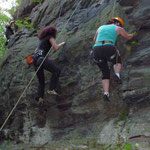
(79, 114)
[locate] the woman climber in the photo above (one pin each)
(46, 40)
(105, 50)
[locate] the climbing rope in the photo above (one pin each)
(36, 71)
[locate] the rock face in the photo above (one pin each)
(79, 114)
(25, 8)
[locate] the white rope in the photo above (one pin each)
(35, 73)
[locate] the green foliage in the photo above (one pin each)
(128, 146)
(134, 32)
(38, 1)
(23, 24)
(27, 24)
(134, 42)
(123, 116)
(10, 143)
(3, 20)
(120, 146)
(18, 2)
(19, 23)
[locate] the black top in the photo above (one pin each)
(9, 31)
(44, 45)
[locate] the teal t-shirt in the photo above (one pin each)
(106, 33)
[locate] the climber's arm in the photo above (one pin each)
(123, 33)
(54, 45)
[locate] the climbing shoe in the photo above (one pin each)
(41, 100)
(117, 79)
(106, 97)
(52, 92)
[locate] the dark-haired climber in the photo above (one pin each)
(9, 31)
(105, 50)
(46, 40)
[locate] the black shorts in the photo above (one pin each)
(103, 54)
(106, 53)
